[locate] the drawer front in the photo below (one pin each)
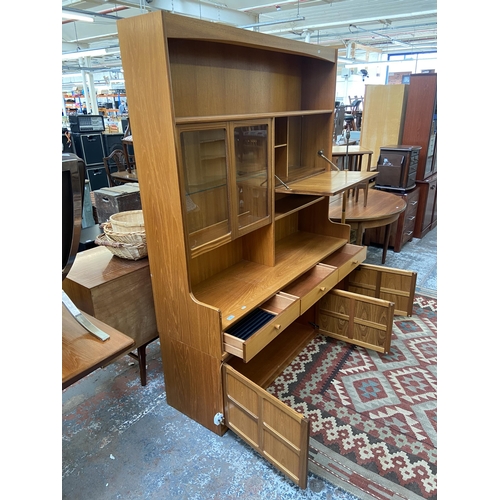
(346, 259)
(282, 310)
(311, 286)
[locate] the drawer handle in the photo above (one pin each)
(411, 218)
(409, 233)
(413, 202)
(322, 288)
(278, 327)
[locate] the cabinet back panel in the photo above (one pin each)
(210, 263)
(210, 79)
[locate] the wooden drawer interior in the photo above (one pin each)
(252, 333)
(346, 259)
(313, 284)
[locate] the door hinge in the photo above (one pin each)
(218, 418)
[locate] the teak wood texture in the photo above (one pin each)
(82, 352)
(227, 242)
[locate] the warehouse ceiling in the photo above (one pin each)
(363, 30)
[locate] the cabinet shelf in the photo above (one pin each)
(295, 255)
(293, 203)
(249, 116)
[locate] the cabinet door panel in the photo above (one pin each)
(357, 319)
(395, 285)
(278, 433)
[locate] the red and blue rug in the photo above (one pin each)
(373, 416)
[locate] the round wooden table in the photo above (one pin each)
(382, 209)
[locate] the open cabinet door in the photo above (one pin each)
(276, 431)
(394, 285)
(357, 319)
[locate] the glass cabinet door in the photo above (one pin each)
(205, 162)
(251, 161)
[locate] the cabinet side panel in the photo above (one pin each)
(194, 383)
(146, 68)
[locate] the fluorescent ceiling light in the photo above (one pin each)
(72, 75)
(269, 23)
(83, 53)
(77, 17)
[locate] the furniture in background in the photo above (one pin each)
(381, 211)
(407, 114)
(383, 118)
(397, 167)
(128, 150)
(427, 210)
(400, 232)
(354, 162)
(117, 292)
(84, 348)
(124, 176)
(222, 255)
(115, 162)
(82, 353)
(122, 198)
(420, 128)
(353, 113)
(355, 155)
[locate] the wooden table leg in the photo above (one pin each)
(386, 241)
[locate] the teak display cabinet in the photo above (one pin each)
(246, 267)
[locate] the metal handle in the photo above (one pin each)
(320, 153)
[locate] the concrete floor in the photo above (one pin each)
(122, 441)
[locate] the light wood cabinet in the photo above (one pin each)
(384, 110)
(246, 266)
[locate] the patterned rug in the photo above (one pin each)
(373, 417)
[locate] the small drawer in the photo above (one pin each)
(346, 259)
(311, 286)
(251, 334)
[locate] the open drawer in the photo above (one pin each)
(313, 284)
(346, 259)
(253, 332)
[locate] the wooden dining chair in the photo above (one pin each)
(115, 159)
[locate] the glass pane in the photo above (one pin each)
(251, 151)
(204, 156)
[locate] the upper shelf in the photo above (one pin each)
(249, 116)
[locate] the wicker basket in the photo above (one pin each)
(129, 251)
(136, 237)
(127, 222)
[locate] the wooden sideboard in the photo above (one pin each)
(117, 292)
(246, 266)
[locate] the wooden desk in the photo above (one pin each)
(82, 352)
(125, 176)
(381, 210)
(355, 155)
(117, 292)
